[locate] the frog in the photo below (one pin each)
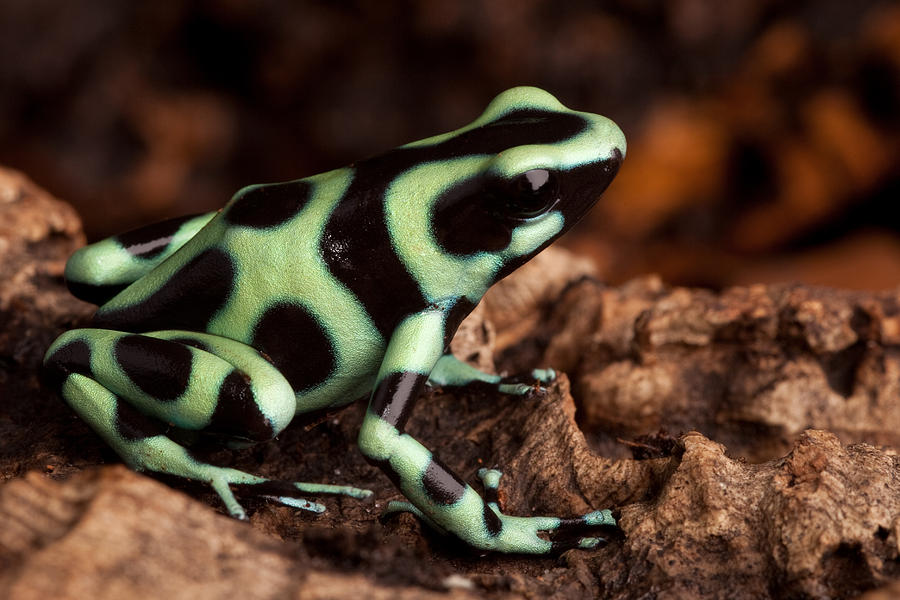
(301, 297)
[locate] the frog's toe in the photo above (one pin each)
(234, 508)
(490, 479)
(334, 490)
(300, 503)
(602, 520)
(537, 391)
(544, 376)
(288, 493)
(515, 389)
(585, 543)
(527, 384)
(395, 506)
(599, 518)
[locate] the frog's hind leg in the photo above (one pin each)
(101, 270)
(133, 389)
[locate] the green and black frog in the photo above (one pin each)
(308, 295)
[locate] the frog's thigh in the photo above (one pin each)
(194, 381)
(96, 273)
(127, 387)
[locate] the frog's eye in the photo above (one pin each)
(532, 193)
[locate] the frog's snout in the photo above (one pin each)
(605, 172)
(584, 185)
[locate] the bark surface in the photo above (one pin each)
(746, 440)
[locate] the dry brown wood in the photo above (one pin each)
(738, 498)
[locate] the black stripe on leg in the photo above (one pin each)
(387, 469)
(492, 522)
(160, 368)
(441, 484)
(491, 495)
(188, 300)
(559, 546)
(133, 425)
(571, 530)
(395, 396)
(237, 414)
(74, 357)
(577, 525)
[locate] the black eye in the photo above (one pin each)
(532, 193)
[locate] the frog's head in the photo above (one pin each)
(501, 188)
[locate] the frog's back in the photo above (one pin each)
(255, 274)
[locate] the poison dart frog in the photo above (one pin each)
(307, 295)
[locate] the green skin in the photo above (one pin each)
(157, 362)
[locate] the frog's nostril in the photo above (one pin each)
(617, 157)
(611, 166)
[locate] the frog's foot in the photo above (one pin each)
(527, 535)
(226, 482)
(451, 372)
(548, 535)
(564, 533)
(151, 450)
(527, 384)
(284, 492)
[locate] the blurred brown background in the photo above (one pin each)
(764, 136)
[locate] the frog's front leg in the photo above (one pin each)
(133, 389)
(435, 492)
(449, 371)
